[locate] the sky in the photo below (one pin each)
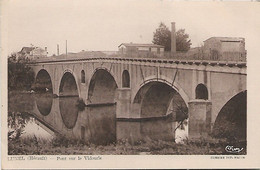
(104, 24)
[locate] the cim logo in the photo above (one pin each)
(232, 149)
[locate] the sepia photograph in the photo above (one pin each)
(127, 77)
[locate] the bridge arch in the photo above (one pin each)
(231, 120)
(43, 81)
(201, 92)
(68, 85)
(158, 97)
(163, 79)
(102, 87)
(125, 79)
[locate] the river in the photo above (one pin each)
(49, 116)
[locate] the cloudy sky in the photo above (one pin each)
(104, 24)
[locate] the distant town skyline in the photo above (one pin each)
(103, 25)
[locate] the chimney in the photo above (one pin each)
(58, 50)
(173, 38)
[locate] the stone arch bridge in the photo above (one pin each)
(144, 88)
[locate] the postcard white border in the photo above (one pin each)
(251, 160)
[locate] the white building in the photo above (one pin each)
(33, 52)
(225, 48)
(133, 48)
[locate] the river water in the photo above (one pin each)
(50, 116)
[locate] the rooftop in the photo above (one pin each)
(27, 49)
(227, 39)
(82, 54)
(141, 45)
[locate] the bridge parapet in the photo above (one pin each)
(146, 60)
(191, 55)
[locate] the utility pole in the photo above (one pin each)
(66, 49)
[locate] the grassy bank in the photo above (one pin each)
(60, 146)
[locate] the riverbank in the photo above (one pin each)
(31, 146)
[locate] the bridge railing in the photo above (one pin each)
(225, 56)
(191, 55)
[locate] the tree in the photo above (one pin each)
(162, 36)
(182, 40)
(20, 75)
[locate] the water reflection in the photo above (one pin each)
(101, 124)
(94, 124)
(97, 125)
(69, 111)
(44, 103)
(26, 126)
(160, 129)
(35, 128)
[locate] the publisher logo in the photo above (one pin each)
(232, 149)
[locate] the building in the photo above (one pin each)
(133, 49)
(33, 52)
(225, 48)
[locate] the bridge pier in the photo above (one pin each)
(199, 118)
(123, 103)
